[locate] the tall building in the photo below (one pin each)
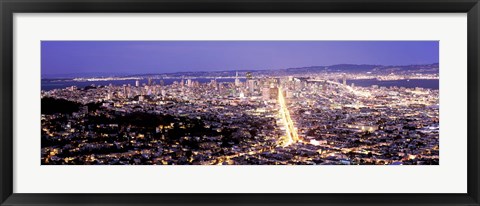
(273, 93)
(344, 80)
(129, 91)
(149, 81)
(251, 85)
(221, 87)
(265, 93)
(137, 83)
(237, 80)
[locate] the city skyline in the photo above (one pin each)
(344, 114)
(91, 58)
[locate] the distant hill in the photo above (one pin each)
(365, 68)
(347, 68)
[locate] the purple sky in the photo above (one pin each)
(139, 57)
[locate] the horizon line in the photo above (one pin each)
(240, 70)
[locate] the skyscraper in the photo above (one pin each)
(265, 93)
(273, 92)
(129, 91)
(251, 85)
(237, 80)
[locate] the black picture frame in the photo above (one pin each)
(9, 7)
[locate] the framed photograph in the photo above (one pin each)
(264, 102)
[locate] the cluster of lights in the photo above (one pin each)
(292, 135)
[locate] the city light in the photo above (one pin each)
(291, 134)
(242, 118)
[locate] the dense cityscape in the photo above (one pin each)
(312, 117)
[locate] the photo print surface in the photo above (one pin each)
(240, 103)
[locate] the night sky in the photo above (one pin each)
(61, 58)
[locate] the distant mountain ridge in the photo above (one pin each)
(363, 68)
(347, 68)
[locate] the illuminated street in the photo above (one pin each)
(290, 132)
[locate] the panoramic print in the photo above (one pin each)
(240, 103)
